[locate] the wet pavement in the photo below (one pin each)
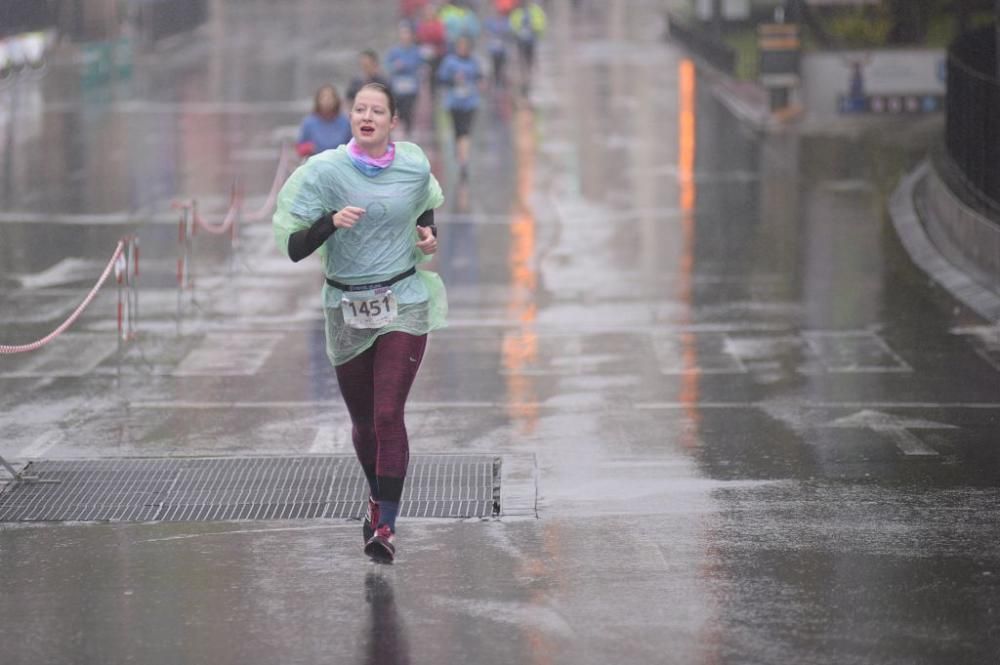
(758, 433)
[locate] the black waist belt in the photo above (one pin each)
(370, 287)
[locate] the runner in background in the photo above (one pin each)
(404, 64)
(459, 21)
(371, 72)
(527, 23)
(326, 127)
(505, 7)
(410, 11)
(368, 208)
(463, 76)
(497, 30)
(433, 44)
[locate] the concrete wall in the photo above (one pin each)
(967, 238)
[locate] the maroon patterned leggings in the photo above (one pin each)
(375, 385)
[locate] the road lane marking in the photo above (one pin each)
(42, 444)
(330, 440)
(817, 405)
(892, 427)
(305, 404)
(639, 406)
(228, 355)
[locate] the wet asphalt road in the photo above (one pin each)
(760, 435)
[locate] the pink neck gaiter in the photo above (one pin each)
(368, 164)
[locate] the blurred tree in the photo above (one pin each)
(909, 20)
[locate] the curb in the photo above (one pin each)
(910, 229)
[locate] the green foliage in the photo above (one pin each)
(744, 43)
(861, 27)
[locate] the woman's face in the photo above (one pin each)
(462, 47)
(371, 120)
(368, 65)
(327, 101)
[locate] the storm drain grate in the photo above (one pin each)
(243, 488)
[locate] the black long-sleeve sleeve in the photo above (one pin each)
(427, 219)
(303, 243)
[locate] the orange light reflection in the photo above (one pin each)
(520, 348)
(686, 145)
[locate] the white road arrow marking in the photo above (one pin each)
(43, 443)
(894, 428)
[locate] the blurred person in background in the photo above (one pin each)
(504, 7)
(371, 72)
(497, 31)
(326, 127)
(404, 64)
(463, 76)
(459, 21)
(527, 23)
(432, 42)
(410, 11)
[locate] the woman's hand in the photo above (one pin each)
(348, 217)
(427, 243)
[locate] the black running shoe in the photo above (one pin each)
(382, 548)
(371, 518)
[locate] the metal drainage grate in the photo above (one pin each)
(243, 488)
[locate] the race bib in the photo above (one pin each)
(370, 309)
(427, 52)
(405, 85)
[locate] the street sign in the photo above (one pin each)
(779, 47)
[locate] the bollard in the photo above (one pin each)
(183, 245)
(192, 228)
(234, 238)
(135, 285)
(121, 268)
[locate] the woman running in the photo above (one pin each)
(368, 207)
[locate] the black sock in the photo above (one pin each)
(369, 470)
(389, 488)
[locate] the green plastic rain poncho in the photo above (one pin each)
(381, 245)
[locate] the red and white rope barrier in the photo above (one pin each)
(279, 177)
(228, 223)
(21, 348)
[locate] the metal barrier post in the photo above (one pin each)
(192, 228)
(235, 200)
(135, 285)
(121, 273)
(22, 477)
(11, 470)
(182, 261)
